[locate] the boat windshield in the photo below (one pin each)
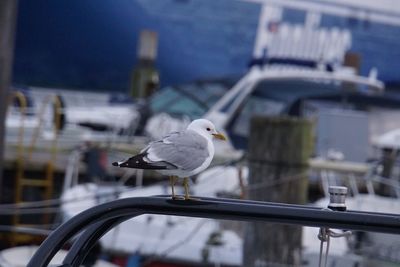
(192, 100)
(288, 91)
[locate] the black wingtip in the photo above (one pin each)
(115, 164)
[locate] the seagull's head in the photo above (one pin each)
(205, 128)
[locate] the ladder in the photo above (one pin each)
(23, 183)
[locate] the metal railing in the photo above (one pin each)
(96, 221)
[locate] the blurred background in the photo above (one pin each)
(85, 83)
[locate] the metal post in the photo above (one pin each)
(337, 198)
(8, 11)
(337, 202)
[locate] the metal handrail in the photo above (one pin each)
(98, 220)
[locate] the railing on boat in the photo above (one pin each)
(100, 219)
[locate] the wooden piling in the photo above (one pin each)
(279, 151)
(8, 11)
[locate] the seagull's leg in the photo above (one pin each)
(172, 180)
(186, 185)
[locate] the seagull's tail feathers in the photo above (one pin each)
(139, 162)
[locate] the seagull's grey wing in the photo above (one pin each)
(140, 161)
(186, 150)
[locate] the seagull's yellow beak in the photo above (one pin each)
(219, 136)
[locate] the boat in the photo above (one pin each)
(308, 50)
(289, 75)
(299, 77)
(85, 114)
(33, 133)
(297, 70)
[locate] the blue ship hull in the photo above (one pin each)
(92, 44)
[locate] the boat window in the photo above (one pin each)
(208, 94)
(186, 106)
(175, 102)
(290, 90)
(192, 100)
(163, 99)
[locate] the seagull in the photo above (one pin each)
(178, 154)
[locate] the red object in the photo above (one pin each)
(273, 26)
(120, 261)
(103, 161)
(161, 264)
(123, 261)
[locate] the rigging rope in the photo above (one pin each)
(324, 235)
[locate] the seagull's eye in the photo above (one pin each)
(208, 129)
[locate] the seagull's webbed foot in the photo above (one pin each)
(191, 198)
(178, 198)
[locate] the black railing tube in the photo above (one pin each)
(106, 215)
(81, 247)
